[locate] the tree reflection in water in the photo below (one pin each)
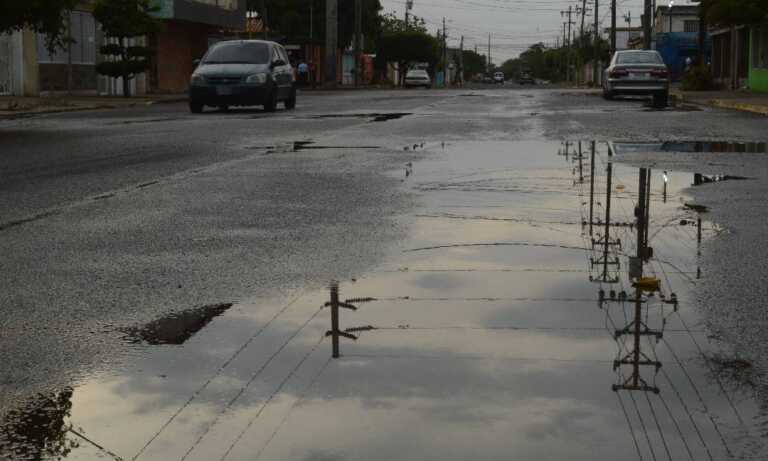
(38, 429)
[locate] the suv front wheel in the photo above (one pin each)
(195, 107)
(271, 104)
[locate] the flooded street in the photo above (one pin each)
(523, 275)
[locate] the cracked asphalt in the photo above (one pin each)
(162, 274)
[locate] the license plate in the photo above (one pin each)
(223, 90)
(641, 76)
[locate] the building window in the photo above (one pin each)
(83, 45)
(691, 26)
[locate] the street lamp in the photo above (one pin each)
(671, 4)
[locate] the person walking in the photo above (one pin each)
(303, 73)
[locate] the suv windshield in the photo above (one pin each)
(648, 57)
(238, 53)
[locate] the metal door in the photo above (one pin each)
(6, 65)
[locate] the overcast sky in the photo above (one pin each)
(514, 24)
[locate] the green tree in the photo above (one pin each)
(512, 67)
(474, 63)
(122, 20)
(45, 16)
(290, 19)
(408, 47)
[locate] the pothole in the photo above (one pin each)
(374, 117)
(297, 146)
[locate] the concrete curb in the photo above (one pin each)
(743, 107)
(724, 104)
(57, 110)
(80, 108)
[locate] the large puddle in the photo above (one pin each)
(541, 309)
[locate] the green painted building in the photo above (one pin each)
(758, 58)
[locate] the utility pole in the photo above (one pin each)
(596, 66)
(613, 26)
(583, 12)
(331, 40)
(264, 19)
(408, 8)
(648, 13)
(70, 39)
(358, 39)
(489, 54)
(570, 45)
(461, 61)
(445, 54)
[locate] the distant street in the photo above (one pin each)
(163, 274)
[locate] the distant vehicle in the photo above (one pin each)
(418, 77)
(525, 79)
(243, 73)
(487, 79)
(637, 72)
(498, 77)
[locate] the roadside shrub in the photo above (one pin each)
(699, 78)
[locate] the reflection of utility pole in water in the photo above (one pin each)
(636, 357)
(606, 241)
(334, 332)
(581, 165)
(592, 188)
(666, 179)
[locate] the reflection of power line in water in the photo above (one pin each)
(629, 423)
(496, 244)
(642, 423)
(250, 381)
(658, 426)
(473, 357)
(272, 396)
(296, 403)
(221, 369)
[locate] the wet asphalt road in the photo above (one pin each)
(127, 232)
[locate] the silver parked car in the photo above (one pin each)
(637, 72)
(418, 77)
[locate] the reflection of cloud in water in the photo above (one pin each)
(447, 282)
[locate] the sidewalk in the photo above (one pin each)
(17, 107)
(743, 100)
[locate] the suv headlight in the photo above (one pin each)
(197, 80)
(257, 78)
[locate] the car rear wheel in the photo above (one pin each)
(661, 99)
(290, 103)
(224, 108)
(195, 107)
(607, 95)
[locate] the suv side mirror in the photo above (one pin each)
(278, 63)
(195, 62)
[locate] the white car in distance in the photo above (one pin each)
(417, 78)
